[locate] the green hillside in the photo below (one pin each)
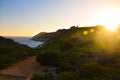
(11, 52)
(82, 53)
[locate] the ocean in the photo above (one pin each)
(26, 41)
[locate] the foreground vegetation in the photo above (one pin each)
(11, 52)
(90, 53)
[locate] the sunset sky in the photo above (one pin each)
(29, 17)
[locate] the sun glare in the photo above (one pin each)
(111, 27)
(109, 17)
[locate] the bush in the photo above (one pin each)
(65, 67)
(94, 71)
(116, 74)
(67, 76)
(44, 76)
(49, 58)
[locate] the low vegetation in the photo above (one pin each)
(11, 52)
(90, 53)
(42, 76)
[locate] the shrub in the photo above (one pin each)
(67, 76)
(94, 71)
(49, 58)
(43, 76)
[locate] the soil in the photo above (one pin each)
(25, 67)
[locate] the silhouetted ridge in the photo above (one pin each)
(72, 33)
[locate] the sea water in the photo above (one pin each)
(27, 41)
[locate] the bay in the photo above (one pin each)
(27, 41)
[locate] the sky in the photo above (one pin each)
(29, 17)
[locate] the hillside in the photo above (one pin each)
(11, 52)
(82, 53)
(65, 32)
(43, 36)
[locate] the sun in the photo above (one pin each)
(111, 27)
(109, 17)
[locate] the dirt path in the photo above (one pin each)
(25, 67)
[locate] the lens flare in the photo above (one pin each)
(85, 32)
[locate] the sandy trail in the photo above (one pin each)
(25, 67)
